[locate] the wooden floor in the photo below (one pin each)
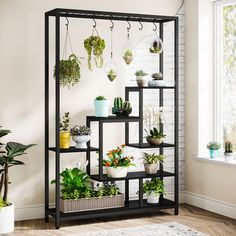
(196, 218)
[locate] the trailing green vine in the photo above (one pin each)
(69, 71)
(95, 45)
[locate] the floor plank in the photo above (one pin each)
(204, 221)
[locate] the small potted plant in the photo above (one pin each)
(101, 106)
(214, 148)
(141, 78)
(64, 131)
(150, 161)
(111, 75)
(78, 193)
(128, 56)
(69, 71)
(118, 163)
(229, 155)
(8, 158)
(95, 45)
(157, 80)
(153, 189)
(155, 137)
(80, 135)
(121, 108)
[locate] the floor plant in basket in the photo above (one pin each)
(118, 162)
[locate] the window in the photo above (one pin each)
(225, 71)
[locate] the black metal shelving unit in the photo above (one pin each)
(131, 206)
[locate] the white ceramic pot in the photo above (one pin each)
(156, 83)
(7, 219)
(117, 172)
(81, 141)
(153, 198)
(229, 156)
(151, 168)
(141, 81)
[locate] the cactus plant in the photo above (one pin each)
(121, 108)
(228, 147)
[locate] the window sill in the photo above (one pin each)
(219, 160)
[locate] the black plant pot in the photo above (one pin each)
(121, 112)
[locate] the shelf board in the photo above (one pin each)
(131, 208)
(147, 145)
(73, 149)
(135, 88)
(134, 175)
(114, 119)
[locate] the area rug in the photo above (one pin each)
(164, 229)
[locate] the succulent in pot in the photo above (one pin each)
(101, 106)
(155, 136)
(214, 148)
(128, 56)
(157, 80)
(64, 131)
(229, 155)
(153, 189)
(81, 135)
(118, 162)
(150, 161)
(121, 108)
(8, 158)
(141, 78)
(111, 75)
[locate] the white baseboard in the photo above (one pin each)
(37, 211)
(210, 204)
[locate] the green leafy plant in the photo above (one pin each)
(69, 71)
(140, 73)
(64, 124)
(154, 185)
(128, 56)
(155, 133)
(95, 45)
(152, 158)
(117, 158)
(214, 145)
(108, 189)
(157, 76)
(111, 75)
(100, 98)
(8, 158)
(156, 47)
(228, 147)
(80, 130)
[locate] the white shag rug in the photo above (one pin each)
(164, 229)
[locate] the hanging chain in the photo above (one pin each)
(111, 42)
(67, 38)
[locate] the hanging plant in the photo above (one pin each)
(156, 46)
(95, 45)
(69, 71)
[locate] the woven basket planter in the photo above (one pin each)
(91, 203)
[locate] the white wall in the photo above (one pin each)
(22, 82)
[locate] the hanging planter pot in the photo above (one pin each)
(155, 44)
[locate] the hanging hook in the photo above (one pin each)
(95, 23)
(129, 27)
(67, 23)
(112, 26)
(155, 29)
(140, 28)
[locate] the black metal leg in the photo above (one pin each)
(88, 152)
(100, 149)
(140, 192)
(141, 117)
(126, 192)
(176, 210)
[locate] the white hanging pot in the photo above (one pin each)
(128, 52)
(155, 44)
(7, 219)
(110, 70)
(153, 198)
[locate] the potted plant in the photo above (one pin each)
(128, 56)
(150, 161)
(153, 189)
(8, 158)
(80, 135)
(95, 45)
(79, 194)
(156, 46)
(155, 136)
(101, 106)
(121, 108)
(214, 148)
(69, 71)
(229, 155)
(157, 80)
(118, 163)
(64, 131)
(141, 78)
(111, 75)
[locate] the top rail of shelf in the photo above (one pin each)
(119, 16)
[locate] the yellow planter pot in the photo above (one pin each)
(64, 139)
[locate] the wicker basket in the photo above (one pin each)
(91, 203)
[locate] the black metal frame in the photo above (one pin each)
(134, 206)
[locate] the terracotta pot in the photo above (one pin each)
(154, 141)
(151, 168)
(64, 139)
(117, 172)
